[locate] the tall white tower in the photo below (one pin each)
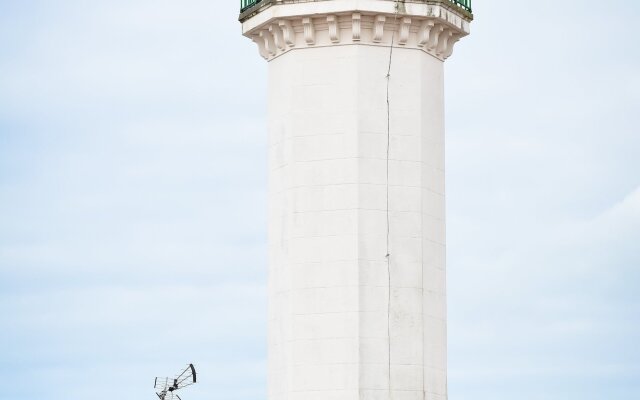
(357, 288)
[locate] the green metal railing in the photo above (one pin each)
(246, 4)
(466, 4)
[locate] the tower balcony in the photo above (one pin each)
(249, 7)
(279, 26)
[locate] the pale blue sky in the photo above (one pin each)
(132, 201)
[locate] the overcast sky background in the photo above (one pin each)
(133, 215)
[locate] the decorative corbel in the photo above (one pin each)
(443, 43)
(434, 36)
(269, 43)
(261, 46)
(452, 41)
(334, 30)
(425, 30)
(355, 26)
(288, 34)
(378, 28)
(405, 26)
(277, 36)
(309, 31)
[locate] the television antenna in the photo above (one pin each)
(169, 386)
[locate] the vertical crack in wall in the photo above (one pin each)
(388, 150)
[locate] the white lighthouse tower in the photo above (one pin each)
(357, 288)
